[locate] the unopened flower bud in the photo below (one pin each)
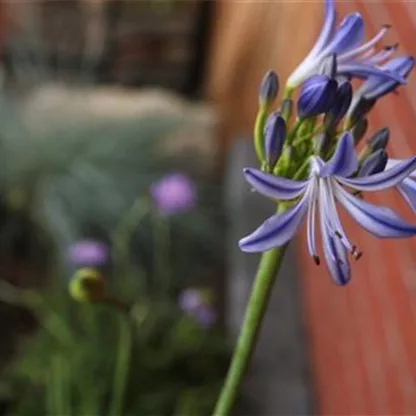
(269, 88)
(340, 106)
(317, 96)
(379, 140)
(360, 109)
(87, 285)
(375, 163)
(323, 143)
(274, 138)
(359, 130)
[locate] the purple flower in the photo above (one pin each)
(195, 304)
(88, 253)
(174, 193)
(328, 183)
(354, 58)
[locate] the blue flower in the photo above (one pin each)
(317, 96)
(327, 184)
(354, 58)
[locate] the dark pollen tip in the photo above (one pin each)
(387, 25)
(317, 260)
(358, 255)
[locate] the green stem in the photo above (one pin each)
(122, 367)
(259, 133)
(269, 266)
(125, 229)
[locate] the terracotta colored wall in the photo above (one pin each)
(362, 338)
(249, 37)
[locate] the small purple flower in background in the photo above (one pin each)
(174, 193)
(88, 253)
(196, 303)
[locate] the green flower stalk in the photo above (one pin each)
(310, 165)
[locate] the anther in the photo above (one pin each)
(317, 260)
(387, 26)
(390, 47)
(338, 234)
(358, 255)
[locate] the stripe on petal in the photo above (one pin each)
(344, 161)
(275, 231)
(364, 71)
(273, 186)
(379, 221)
(408, 190)
(334, 252)
(382, 180)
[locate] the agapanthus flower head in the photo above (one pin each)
(355, 58)
(197, 304)
(88, 253)
(328, 183)
(174, 193)
(310, 166)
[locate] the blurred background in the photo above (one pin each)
(124, 128)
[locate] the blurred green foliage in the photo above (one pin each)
(89, 359)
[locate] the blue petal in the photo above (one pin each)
(376, 86)
(408, 190)
(379, 221)
(382, 180)
(359, 70)
(365, 46)
(327, 28)
(273, 186)
(349, 34)
(334, 252)
(344, 161)
(275, 231)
